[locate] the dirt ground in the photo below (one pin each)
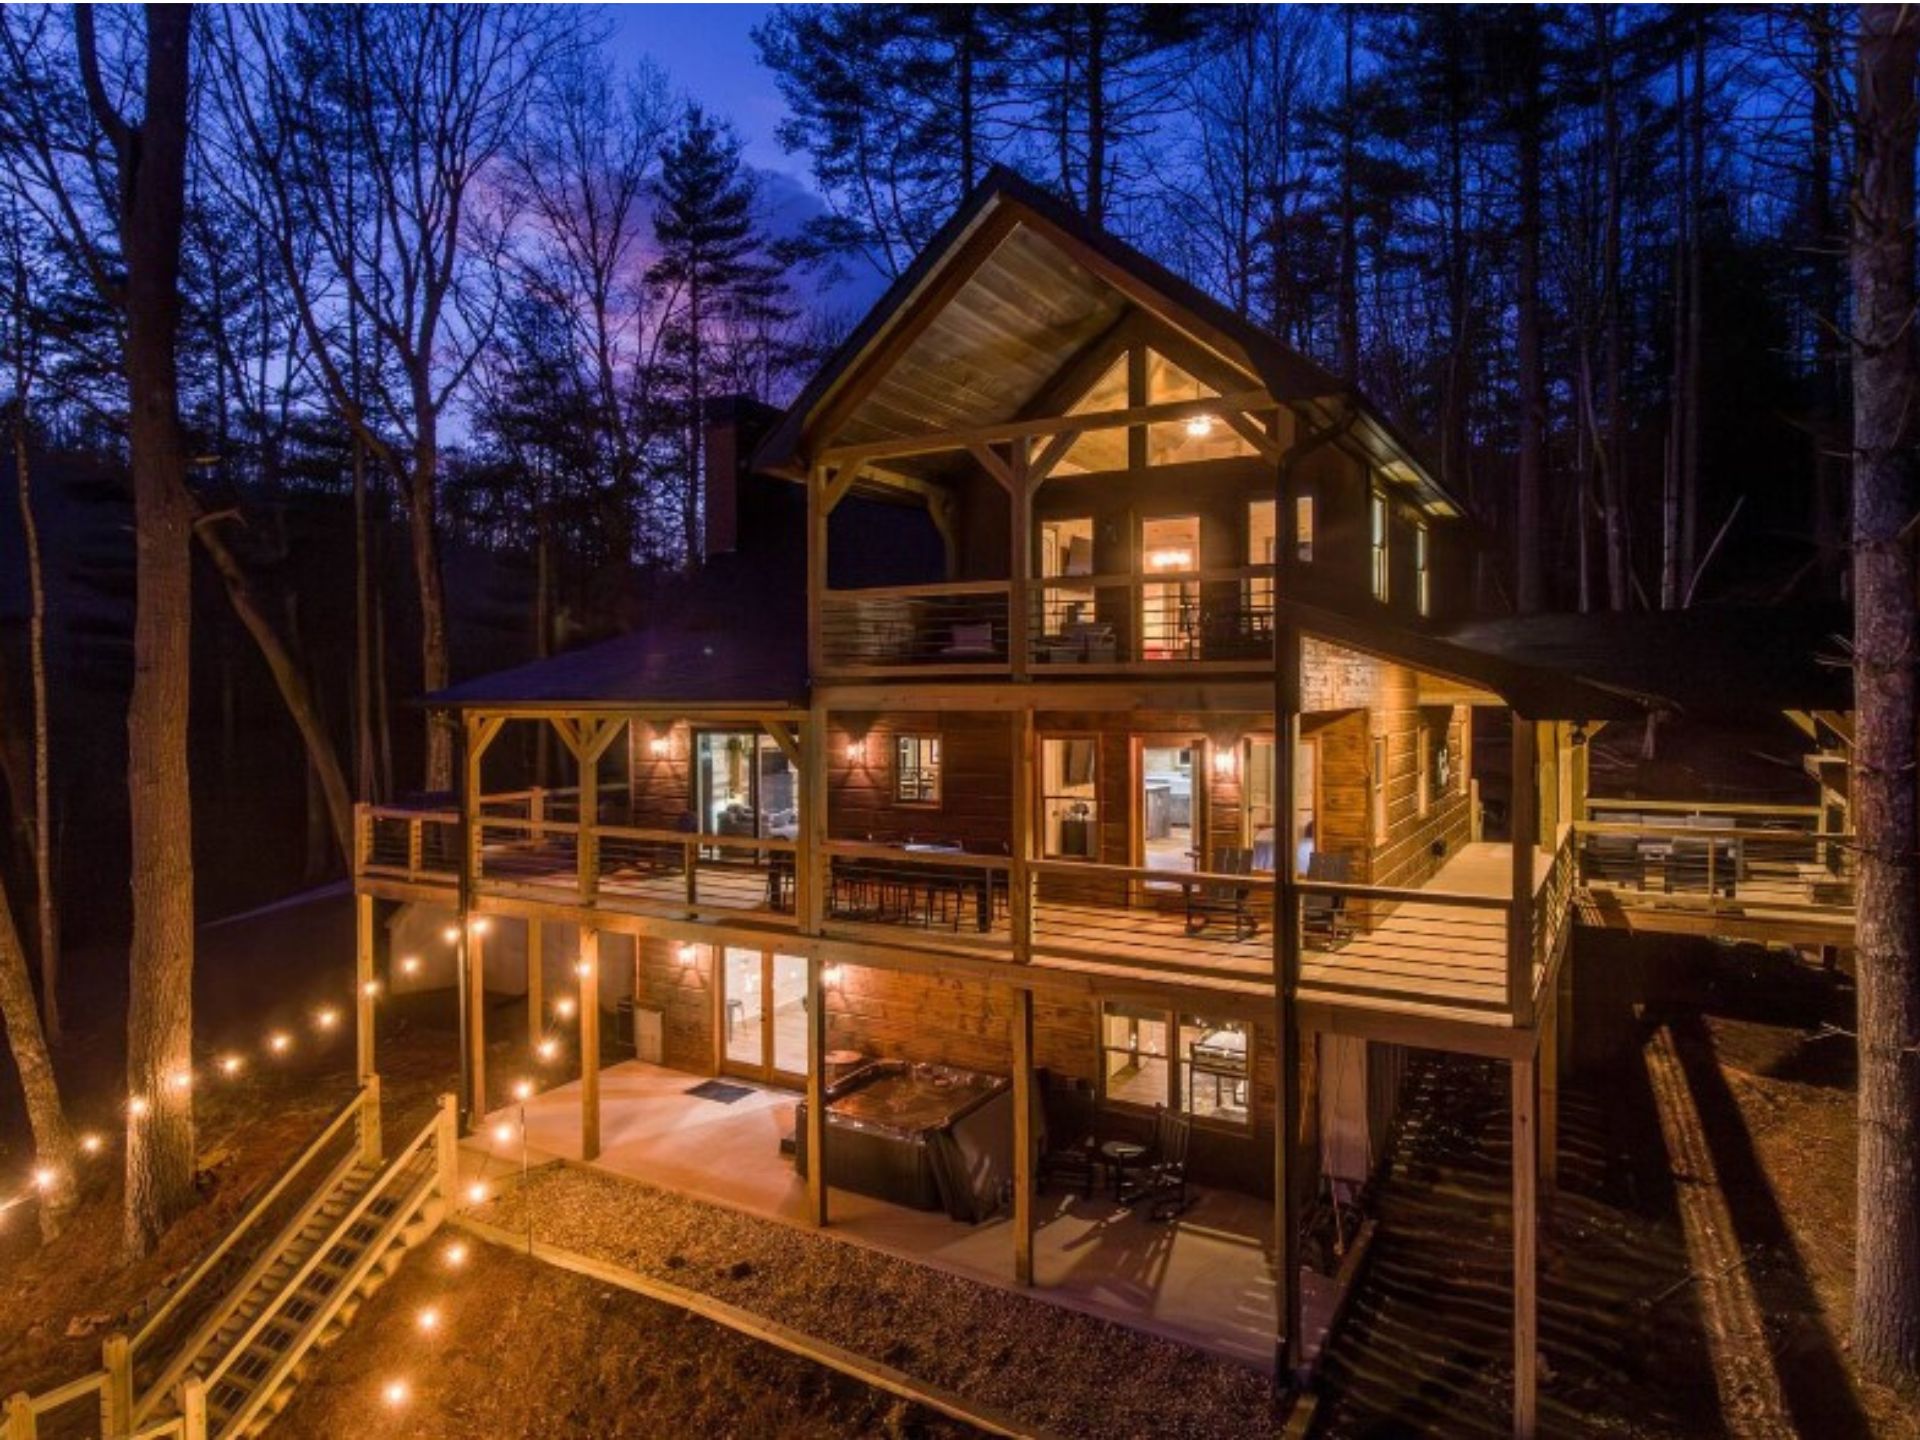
(523, 1349)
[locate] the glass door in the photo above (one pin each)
(763, 1015)
(1169, 595)
(1168, 811)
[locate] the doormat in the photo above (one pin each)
(721, 1091)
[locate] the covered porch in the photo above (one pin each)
(1203, 1280)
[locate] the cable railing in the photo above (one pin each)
(1220, 616)
(942, 890)
(1755, 867)
(401, 843)
(1189, 922)
(961, 626)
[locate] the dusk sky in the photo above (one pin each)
(708, 53)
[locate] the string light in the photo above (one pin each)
(455, 1255)
(482, 925)
(583, 969)
(231, 1065)
(477, 1193)
(91, 1144)
(180, 1080)
(502, 1133)
(138, 1106)
(396, 1393)
(428, 1319)
(44, 1176)
(279, 1042)
(410, 965)
(547, 1049)
(371, 989)
(451, 934)
(564, 1007)
(327, 1018)
(523, 1090)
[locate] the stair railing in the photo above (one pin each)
(364, 1110)
(435, 1135)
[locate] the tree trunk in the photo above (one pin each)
(1096, 190)
(1691, 435)
(1670, 563)
(363, 761)
(1348, 319)
(1530, 477)
(1886, 381)
(422, 485)
(45, 912)
(295, 690)
(52, 1140)
(1613, 472)
(152, 160)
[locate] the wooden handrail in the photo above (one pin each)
(921, 592)
(685, 838)
(1712, 832)
(332, 1129)
(404, 812)
(1082, 870)
(1699, 807)
(946, 859)
(1215, 574)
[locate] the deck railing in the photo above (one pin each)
(1192, 923)
(911, 629)
(962, 899)
(1767, 864)
(1220, 616)
(1398, 947)
(407, 844)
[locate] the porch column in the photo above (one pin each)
(536, 981)
(1525, 1245)
(589, 970)
(476, 953)
(1289, 1346)
(1549, 1066)
(1023, 1137)
(1019, 587)
(1523, 828)
(816, 1091)
(1020, 876)
(363, 985)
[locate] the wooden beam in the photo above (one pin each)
(1526, 1220)
(363, 985)
(938, 441)
(1244, 426)
(1020, 585)
(476, 952)
(990, 461)
(1023, 849)
(816, 565)
(840, 486)
(1049, 458)
(816, 1091)
(783, 737)
(1549, 1071)
(589, 1043)
(1024, 1156)
(1290, 1343)
(1523, 822)
(536, 979)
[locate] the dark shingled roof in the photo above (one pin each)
(1709, 661)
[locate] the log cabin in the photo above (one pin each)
(1077, 713)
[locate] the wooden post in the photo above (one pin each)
(816, 1092)
(1525, 1241)
(1523, 822)
(586, 837)
(20, 1422)
(816, 566)
(1290, 1347)
(1019, 586)
(1549, 1064)
(363, 985)
(371, 1146)
(1020, 875)
(446, 1148)
(809, 858)
(536, 981)
(475, 930)
(1024, 1155)
(116, 1396)
(193, 1408)
(589, 1043)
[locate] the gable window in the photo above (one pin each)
(916, 770)
(1422, 574)
(1066, 557)
(1377, 540)
(1190, 1063)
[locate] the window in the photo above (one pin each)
(1377, 780)
(1437, 763)
(916, 770)
(1424, 782)
(1262, 549)
(1303, 528)
(1066, 553)
(1170, 608)
(744, 785)
(1422, 575)
(1185, 1062)
(1069, 798)
(1377, 534)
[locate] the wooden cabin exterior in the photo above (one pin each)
(1082, 706)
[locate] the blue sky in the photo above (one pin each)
(708, 53)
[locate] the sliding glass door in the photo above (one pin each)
(763, 1015)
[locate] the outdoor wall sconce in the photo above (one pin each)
(687, 953)
(856, 752)
(830, 977)
(1226, 762)
(660, 747)
(1200, 426)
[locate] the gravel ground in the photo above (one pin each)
(1057, 1369)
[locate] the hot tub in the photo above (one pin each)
(928, 1136)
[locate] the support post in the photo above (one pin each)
(363, 985)
(589, 1043)
(536, 980)
(1290, 1347)
(446, 1148)
(474, 932)
(371, 1145)
(1024, 1102)
(1549, 1064)
(1523, 822)
(816, 1091)
(116, 1396)
(1019, 588)
(816, 565)
(193, 1408)
(587, 837)
(809, 861)
(20, 1422)
(1020, 874)
(1525, 1255)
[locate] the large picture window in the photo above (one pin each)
(1377, 540)
(1186, 1062)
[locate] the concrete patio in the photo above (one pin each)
(1205, 1280)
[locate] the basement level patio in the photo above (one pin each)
(1203, 1280)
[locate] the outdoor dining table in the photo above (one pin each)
(957, 878)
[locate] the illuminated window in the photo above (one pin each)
(1185, 1062)
(916, 771)
(1070, 797)
(1303, 528)
(1377, 535)
(1378, 781)
(1422, 575)
(1424, 781)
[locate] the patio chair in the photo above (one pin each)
(1323, 920)
(1207, 899)
(972, 641)
(1064, 1121)
(1159, 1180)
(1613, 860)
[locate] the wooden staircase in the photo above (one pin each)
(240, 1363)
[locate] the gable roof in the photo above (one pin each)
(1010, 290)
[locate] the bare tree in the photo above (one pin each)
(1886, 639)
(52, 1140)
(370, 137)
(21, 327)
